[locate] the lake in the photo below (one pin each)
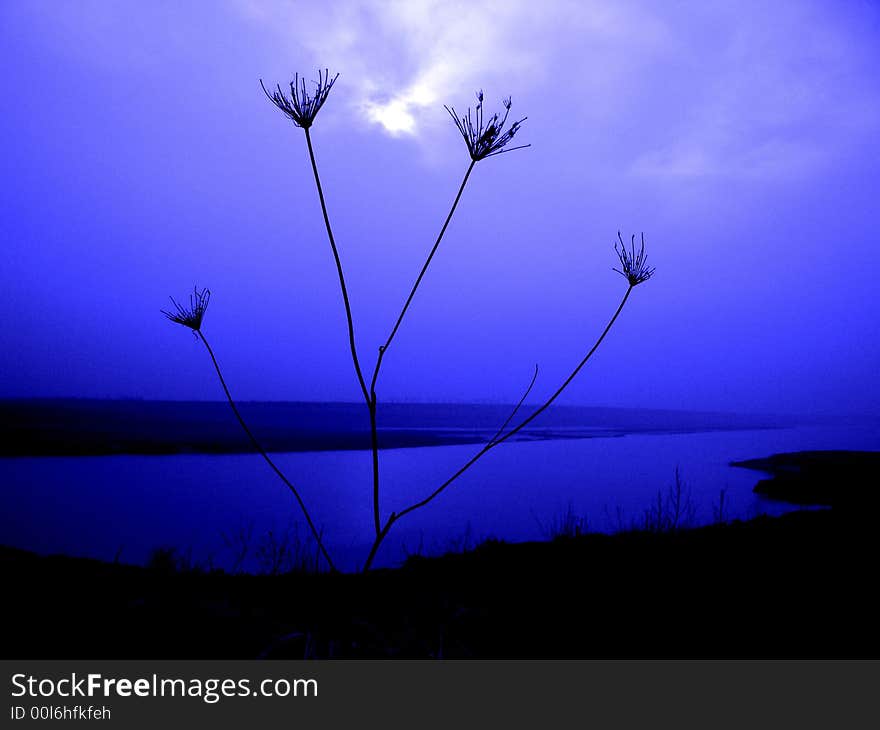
(123, 507)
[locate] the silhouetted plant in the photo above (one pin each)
(302, 107)
(567, 525)
(239, 545)
(719, 511)
(672, 511)
(484, 136)
(167, 560)
(192, 318)
(164, 560)
(464, 542)
(633, 266)
(277, 552)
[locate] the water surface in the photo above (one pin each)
(126, 506)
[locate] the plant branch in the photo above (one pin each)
(371, 395)
(354, 355)
(516, 408)
(262, 452)
(382, 531)
(525, 422)
(395, 516)
(384, 348)
(378, 541)
(374, 445)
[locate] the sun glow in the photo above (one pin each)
(393, 116)
(397, 115)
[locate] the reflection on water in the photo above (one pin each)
(129, 505)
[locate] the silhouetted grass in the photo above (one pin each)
(568, 524)
(780, 587)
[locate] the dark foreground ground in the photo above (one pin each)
(802, 585)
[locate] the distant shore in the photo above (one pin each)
(74, 427)
(845, 479)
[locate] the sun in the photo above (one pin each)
(397, 116)
(394, 116)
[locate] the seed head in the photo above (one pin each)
(633, 265)
(192, 316)
(302, 107)
(485, 137)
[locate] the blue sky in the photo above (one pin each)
(141, 157)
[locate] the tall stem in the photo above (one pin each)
(374, 444)
(262, 452)
(499, 440)
(380, 536)
(354, 355)
(371, 397)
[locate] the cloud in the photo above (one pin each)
(673, 90)
(776, 97)
(412, 56)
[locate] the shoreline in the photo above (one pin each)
(797, 585)
(769, 587)
(311, 443)
(153, 428)
(827, 478)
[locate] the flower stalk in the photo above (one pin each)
(192, 318)
(483, 140)
(499, 438)
(484, 136)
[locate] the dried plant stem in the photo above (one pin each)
(384, 348)
(395, 516)
(262, 452)
(526, 421)
(371, 399)
(354, 355)
(374, 446)
(516, 407)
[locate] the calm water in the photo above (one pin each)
(128, 505)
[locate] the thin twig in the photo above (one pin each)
(371, 396)
(384, 348)
(488, 447)
(354, 355)
(516, 409)
(374, 446)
